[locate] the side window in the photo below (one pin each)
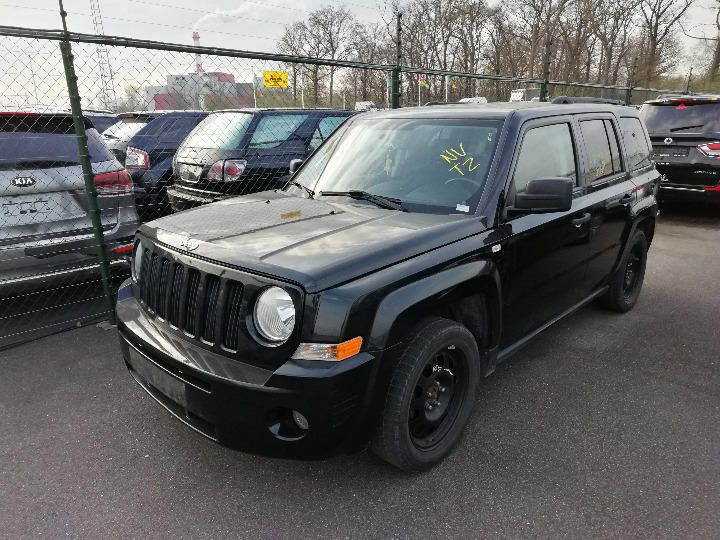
(274, 129)
(614, 146)
(636, 144)
(325, 127)
(546, 151)
(600, 160)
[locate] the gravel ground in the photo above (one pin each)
(606, 426)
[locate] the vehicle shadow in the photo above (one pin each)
(692, 215)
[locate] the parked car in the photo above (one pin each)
(45, 227)
(365, 106)
(525, 94)
(477, 99)
(101, 120)
(118, 135)
(407, 257)
(149, 158)
(241, 151)
(685, 135)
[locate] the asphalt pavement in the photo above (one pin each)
(606, 426)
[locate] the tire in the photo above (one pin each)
(431, 395)
(627, 282)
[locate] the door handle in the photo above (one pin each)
(579, 221)
(626, 199)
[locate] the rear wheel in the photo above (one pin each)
(431, 395)
(627, 282)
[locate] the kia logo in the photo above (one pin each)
(668, 141)
(23, 181)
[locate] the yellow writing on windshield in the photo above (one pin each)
(461, 166)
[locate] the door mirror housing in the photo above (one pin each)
(295, 165)
(545, 195)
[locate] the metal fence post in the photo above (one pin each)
(546, 70)
(395, 104)
(86, 164)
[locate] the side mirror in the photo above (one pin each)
(544, 195)
(295, 165)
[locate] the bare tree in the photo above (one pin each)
(660, 18)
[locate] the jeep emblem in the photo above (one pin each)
(668, 140)
(189, 244)
(23, 181)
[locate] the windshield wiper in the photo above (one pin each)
(307, 189)
(379, 200)
(686, 127)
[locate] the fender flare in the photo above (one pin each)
(481, 274)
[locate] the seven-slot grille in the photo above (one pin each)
(201, 305)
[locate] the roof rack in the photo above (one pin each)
(566, 100)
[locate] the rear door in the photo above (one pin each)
(609, 193)
(549, 252)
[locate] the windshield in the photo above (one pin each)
(432, 165)
(687, 116)
(124, 130)
(219, 130)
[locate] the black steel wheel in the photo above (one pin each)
(430, 397)
(627, 282)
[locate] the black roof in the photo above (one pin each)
(523, 109)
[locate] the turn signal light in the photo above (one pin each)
(328, 352)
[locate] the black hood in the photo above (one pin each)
(315, 243)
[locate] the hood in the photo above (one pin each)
(314, 243)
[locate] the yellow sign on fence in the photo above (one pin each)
(275, 79)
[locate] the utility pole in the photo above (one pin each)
(689, 80)
(631, 82)
(398, 59)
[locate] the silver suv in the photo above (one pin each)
(45, 227)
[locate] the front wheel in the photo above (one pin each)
(430, 397)
(627, 282)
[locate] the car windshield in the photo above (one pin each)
(431, 165)
(219, 130)
(681, 116)
(124, 129)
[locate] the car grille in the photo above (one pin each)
(202, 305)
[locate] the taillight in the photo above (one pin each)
(711, 149)
(136, 158)
(113, 183)
(227, 170)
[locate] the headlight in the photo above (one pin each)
(275, 315)
(137, 261)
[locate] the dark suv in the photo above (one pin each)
(149, 157)
(236, 152)
(685, 134)
(414, 250)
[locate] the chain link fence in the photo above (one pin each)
(159, 128)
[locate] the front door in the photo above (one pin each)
(548, 251)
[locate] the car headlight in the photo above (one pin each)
(275, 315)
(137, 261)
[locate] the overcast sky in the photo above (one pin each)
(243, 24)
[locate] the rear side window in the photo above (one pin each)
(538, 144)
(220, 130)
(275, 129)
(37, 141)
(602, 161)
(325, 127)
(636, 143)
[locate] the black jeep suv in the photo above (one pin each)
(414, 250)
(685, 134)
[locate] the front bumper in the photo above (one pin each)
(247, 407)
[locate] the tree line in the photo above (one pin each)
(614, 42)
